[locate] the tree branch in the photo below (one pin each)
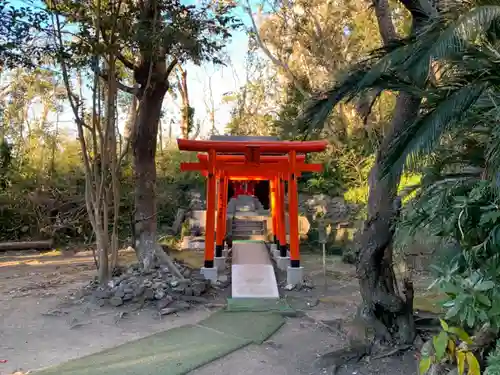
(384, 19)
(121, 86)
(171, 67)
(128, 64)
(273, 59)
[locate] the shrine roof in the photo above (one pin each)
(236, 145)
(242, 138)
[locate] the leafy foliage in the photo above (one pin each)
(450, 345)
(21, 42)
(494, 361)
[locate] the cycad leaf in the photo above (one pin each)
(464, 30)
(421, 136)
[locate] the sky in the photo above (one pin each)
(224, 79)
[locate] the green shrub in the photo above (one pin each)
(493, 367)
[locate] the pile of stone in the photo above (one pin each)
(157, 288)
(335, 209)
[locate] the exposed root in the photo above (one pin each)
(165, 259)
(339, 358)
(390, 353)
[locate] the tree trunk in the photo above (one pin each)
(144, 146)
(102, 246)
(186, 108)
(384, 308)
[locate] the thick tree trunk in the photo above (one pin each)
(144, 146)
(383, 307)
(386, 310)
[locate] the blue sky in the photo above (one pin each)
(223, 79)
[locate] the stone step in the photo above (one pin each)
(251, 237)
(249, 224)
(248, 227)
(244, 221)
(250, 230)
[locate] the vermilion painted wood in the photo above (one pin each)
(210, 219)
(241, 158)
(280, 147)
(278, 167)
(253, 163)
(274, 212)
(293, 208)
(281, 211)
(219, 234)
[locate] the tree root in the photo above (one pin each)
(390, 353)
(166, 260)
(341, 357)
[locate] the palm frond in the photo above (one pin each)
(422, 136)
(450, 39)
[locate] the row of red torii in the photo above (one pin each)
(276, 161)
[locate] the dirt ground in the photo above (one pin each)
(44, 321)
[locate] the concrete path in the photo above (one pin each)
(252, 271)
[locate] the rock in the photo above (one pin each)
(116, 301)
(181, 305)
(289, 287)
(168, 310)
(188, 291)
(128, 296)
(222, 278)
(159, 285)
(120, 293)
(195, 299)
(308, 284)
(187, 273)
(199, 289)
(197, 276)
(174, 283)
(149, 294)
(139, 291)
(128, 290)
(222, 285)
(159, 294)
(164, 302)
(102, 293)
(112, 284)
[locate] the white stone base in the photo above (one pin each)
(276, 254)
(220, 263)
(295, 275)
(283, 263)
(254, 281)
(209, 273)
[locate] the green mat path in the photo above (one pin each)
(180, 350)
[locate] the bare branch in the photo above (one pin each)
(273, 59)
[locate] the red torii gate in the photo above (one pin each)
(276, 161)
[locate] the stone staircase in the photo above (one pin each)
(244, 228)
